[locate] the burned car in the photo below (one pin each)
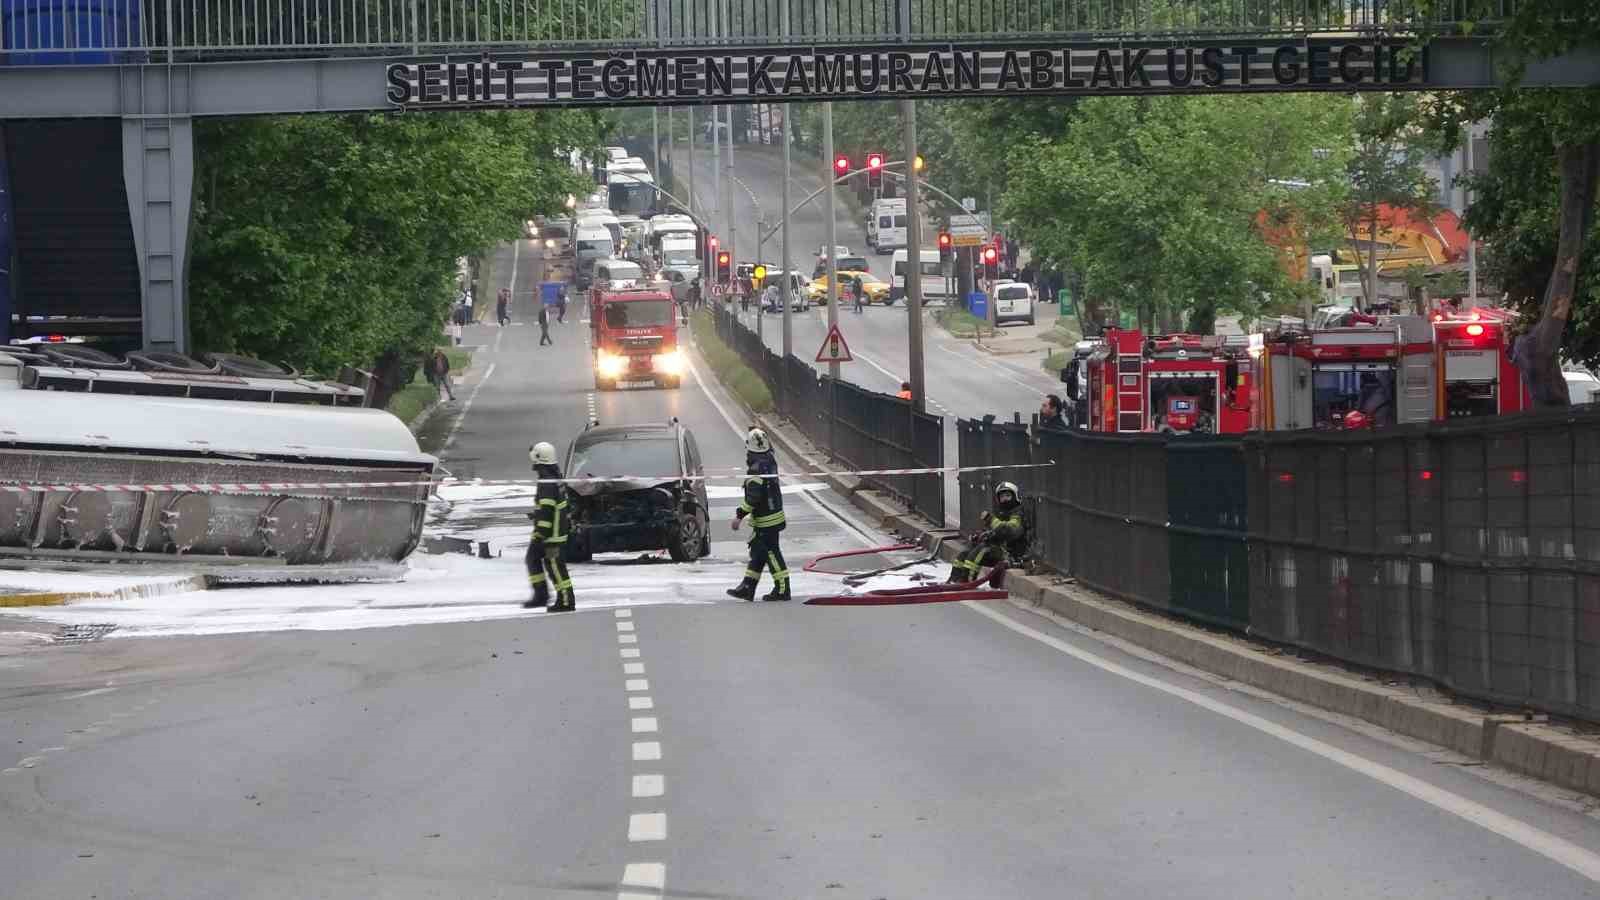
(664, 509)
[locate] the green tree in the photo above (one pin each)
(1156, 201)
(327, 241)
(1385, 169)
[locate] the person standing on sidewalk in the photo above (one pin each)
(440, 367)
(544, 325)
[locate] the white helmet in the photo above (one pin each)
(1006, 487)
(756, 441)
(542, 454)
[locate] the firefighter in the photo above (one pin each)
(544, 562)
(1004, 536)
(763, 503)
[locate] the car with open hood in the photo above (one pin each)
(661, 505)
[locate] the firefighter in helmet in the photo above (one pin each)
(763, 503)
(544, 562)
(1004, 535)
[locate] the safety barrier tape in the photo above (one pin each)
(277, 486)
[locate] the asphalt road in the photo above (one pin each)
(719, 750)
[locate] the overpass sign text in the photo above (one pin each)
(717, 76)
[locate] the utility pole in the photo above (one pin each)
(1472, 242)
(692, 200)
(908, 120)
(783, 263)
(727, 193)
(655, 141)
(833, 271)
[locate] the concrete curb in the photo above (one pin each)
(1544, 751)
(181, 585)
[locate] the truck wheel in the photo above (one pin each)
(686, 538)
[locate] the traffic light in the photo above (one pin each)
(991, 261)
(874, 169)
(946, 246)
(725, 267)
(916, 164)
(841, 166)
(758, 274)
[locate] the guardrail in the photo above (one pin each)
(863, 429)
(48, 32)
(1466, 552)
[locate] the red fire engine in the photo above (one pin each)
(1474, 364)
(1177, 384)
(1362, 371)
(635, 338)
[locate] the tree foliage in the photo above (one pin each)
(1385, 169)
(328, 241)
(1156, 201)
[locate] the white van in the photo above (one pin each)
(936, 285)
(1013, 302)
(886, 225)
(631, 164)
(676, 250)
(602, 218)
(591, 243)
(616, 153)
(617, 274)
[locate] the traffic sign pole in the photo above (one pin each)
(833, 273)
(908, 116)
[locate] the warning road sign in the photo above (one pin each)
(834, 349)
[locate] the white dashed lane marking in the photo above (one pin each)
(645, 875)
(629, 652)
(649, 785)
(624, 614)
(636, 684)
(647, 827)
(624, 626)
(641, 703)
(633, 668)
(641, 725)
(646, 751)
(627, 639)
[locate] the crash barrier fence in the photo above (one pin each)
(893, 447)
(1465, 552)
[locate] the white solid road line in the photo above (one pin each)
(462, 416)
(646, 751)
(1574, 857)
(649, 785)
(647, 827)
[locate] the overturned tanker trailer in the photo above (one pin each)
(160, 457)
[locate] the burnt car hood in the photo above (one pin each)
(599, 488)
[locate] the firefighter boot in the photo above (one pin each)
(746, 590)
(565, 602)
(541, 596)
(778, 595)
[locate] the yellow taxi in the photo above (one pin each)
(876, 289)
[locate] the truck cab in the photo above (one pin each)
(635, 338)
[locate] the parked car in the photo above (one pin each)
(671, 513)
(848, 262)
(877, 290)
(1013, 302)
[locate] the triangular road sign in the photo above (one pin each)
(833, 349)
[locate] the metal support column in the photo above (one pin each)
(726, 199)
(833, 272)
(908, 120)
(158, 171)
(693, 201)
(655, 141)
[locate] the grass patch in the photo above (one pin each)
(1066, 332)
(460, 358)
(962, 324)
(413, 400)
(1057, 361)
(727, 366)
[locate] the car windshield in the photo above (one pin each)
(677, 257)
(650, 457)
(594, 246)
(851, 264)
(638, 313)
(624, 272)
(1013, 293)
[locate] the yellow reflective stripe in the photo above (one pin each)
(746, 508)
(769, 520)
(548, 502)
(536, 578)
(752, 573)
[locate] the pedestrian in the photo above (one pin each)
(561, 305)
(1004, 535)
(543, 559)
(857, 290)
(1052, 413)
(544, 325)
(440, 365)
(763, 503)
(502, 307)
(905, 391)
(1012, 253)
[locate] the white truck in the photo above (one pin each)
(937, 285)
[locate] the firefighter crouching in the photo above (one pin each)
(545, 566)
(1005, 535)
(763, 503)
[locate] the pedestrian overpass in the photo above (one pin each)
(85, 84)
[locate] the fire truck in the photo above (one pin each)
(635, 338)
(1174, 384)
(1474, 367)
(1357, 371)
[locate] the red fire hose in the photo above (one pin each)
(948, 592)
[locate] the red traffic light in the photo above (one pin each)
(989, 255)
(723, 258)
(841, 165)
(712, 242)
(875, 161)
(944, 239)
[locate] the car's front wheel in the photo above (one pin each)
(687, 537)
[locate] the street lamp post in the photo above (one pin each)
(908, 118)
(833, 272)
